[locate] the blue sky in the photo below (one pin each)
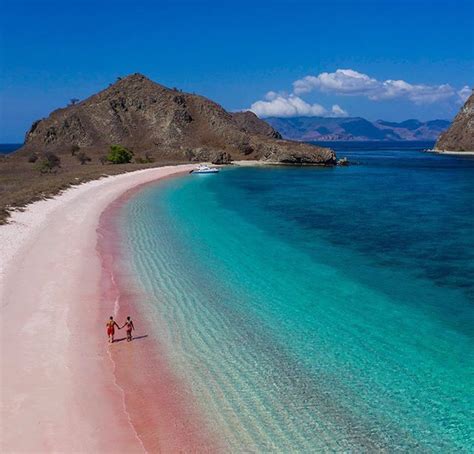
(238, 52)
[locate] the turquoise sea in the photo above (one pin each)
(317, 309)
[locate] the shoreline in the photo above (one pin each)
(159, 406)
(58, 383)
(456, 153)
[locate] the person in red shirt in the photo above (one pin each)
(111, 324)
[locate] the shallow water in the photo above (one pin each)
(318, 309)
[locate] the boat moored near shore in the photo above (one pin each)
(203, 168)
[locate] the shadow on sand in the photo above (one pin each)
(134, 338)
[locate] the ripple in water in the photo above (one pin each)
(318, 309)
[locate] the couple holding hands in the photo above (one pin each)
(111, 324)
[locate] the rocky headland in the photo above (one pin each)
(460, 136)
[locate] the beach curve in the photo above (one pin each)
(63, 388)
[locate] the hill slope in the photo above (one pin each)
(460, 136)
(167, 124)
(356, 128)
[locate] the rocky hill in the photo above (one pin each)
(356, 128)
(167, 124)
(460, 136)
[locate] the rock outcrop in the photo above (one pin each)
(460, 136)
(166, 124)
(286, 152)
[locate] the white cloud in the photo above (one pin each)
(283, 105)
(464, 93)
(418, 94)
(348, 82)
(338, 111)
(353, 83)
(344, 81)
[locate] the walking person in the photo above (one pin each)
(130, 327)
(111, 324)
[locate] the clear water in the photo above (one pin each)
(318, 309)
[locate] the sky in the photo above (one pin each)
(377, 59)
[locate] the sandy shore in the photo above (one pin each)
(59, 389)
(255, 163)
(458, 153)
(250, 163)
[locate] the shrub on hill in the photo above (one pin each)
(75, 149)
(146, 160)
(49, 163)
(83, 158)
(33, 157)
(119, 155)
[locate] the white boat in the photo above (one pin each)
(202, 168)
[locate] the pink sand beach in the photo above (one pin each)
(63, 387)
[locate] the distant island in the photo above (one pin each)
(460, 136)
(356, 129)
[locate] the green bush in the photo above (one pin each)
(119, 155)
(49, 163)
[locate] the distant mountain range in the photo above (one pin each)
(356, 128)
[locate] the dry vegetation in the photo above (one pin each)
(21, 181)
